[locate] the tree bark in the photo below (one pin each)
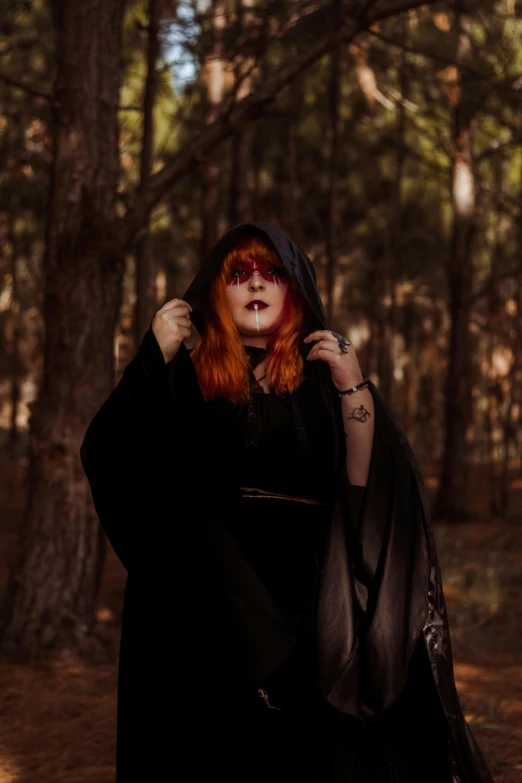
(396, 216)
(144, 302)
(17, 330)
(258, 148)
(451, 499)
(292, 207)
(52, 589)
(215, 80)
(332, 234)
(243, 139)
(493, 390)
(512, 428)
(240, 191)
(391, 262)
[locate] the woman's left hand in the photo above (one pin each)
(338, 352)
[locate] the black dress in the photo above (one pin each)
(285, 730)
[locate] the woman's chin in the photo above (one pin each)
(249, 330)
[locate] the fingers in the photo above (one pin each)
(320, 352)
(174, 313)
(332, 348)
(177, 314)
(173, 318)
(174, 304)
(329, 344)
(320, 334)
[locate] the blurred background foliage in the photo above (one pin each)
(395, 107)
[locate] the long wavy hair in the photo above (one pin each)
(220, 360)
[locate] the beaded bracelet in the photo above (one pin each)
(353, 389)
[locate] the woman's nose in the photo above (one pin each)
(256, 282)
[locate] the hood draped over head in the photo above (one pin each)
(295, 261)
(301, 274)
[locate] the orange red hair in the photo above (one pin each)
(219, 358)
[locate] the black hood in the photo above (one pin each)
(296, 263)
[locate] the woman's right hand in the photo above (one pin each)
(171, 325)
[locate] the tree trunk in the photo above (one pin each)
(240, 191)
(14, 348)
(384, 292)
(512, 426)
(214, 78)
(240, 205)
(52, 589)
(411, 372)
(332, 234)
(451, 499)
(258, 148)
(514, 414)
(493, 391)
(144, 303)
(292, 192)
(396, 217)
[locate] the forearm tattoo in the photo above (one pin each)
(359, 414)
(342, 342)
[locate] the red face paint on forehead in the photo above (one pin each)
(243, 270)
(256, 265)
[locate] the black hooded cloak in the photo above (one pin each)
(200, 629)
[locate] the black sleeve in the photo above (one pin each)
(356, 495)
(131, 453)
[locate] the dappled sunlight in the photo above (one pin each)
(57, 724)
(468, 676)
(9, 769)
(491, 698)
(481, 570)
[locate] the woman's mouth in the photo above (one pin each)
(256, 305)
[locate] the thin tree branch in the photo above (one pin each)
(241, 113)
(496, 145)
(507, 84)
(27, 88)
(485, 289)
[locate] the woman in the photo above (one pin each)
(283, 616)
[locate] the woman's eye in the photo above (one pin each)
(274, 271)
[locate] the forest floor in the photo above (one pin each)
(58, 721)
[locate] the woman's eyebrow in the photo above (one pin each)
(255, 261)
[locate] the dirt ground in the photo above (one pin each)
(58, 721)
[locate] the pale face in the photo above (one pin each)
(256, 280)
